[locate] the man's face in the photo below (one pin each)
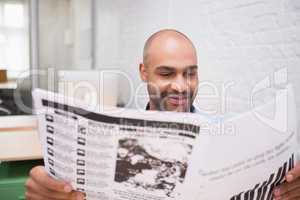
(171, 75)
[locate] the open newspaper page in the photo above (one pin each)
(248, 156)
(128, 154)
(124, 154)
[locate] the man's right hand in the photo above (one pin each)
(40, 185)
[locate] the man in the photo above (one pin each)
(170, 70)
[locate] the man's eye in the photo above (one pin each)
(191, 73)
(165, 73)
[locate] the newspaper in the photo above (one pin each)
(129, 155)
(249, 157)
(125, 155)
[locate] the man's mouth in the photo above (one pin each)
(176, 100)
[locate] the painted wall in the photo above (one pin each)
(64, 38)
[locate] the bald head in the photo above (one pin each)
(165, 39)
(170, 70)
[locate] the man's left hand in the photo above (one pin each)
(290, 190)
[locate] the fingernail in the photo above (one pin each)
(289, 177)
(79, 197)
(277, 192)
(67, 188)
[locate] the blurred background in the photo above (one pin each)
(239, 43)
(91, 49)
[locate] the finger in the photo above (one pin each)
(31, 195)
(32, 186)
(40, 176)
(291, 195)
(294, 173)
(79, 196)
(286, 187)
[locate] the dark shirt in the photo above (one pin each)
(193, 110)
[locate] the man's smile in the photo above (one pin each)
(177, 100)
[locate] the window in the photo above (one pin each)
(14, 37)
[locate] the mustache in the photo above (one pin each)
(184, 94)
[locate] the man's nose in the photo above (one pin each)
(179, 84)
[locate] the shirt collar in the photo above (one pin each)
(193, 110)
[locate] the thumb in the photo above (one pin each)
(293, 174)
(40, 176)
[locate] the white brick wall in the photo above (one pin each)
(242, 41)
(237, 40)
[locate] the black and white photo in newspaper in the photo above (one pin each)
(126, 155)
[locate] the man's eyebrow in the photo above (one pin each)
(162, 67)
(191, 67)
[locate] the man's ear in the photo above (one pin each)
(143, 72)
